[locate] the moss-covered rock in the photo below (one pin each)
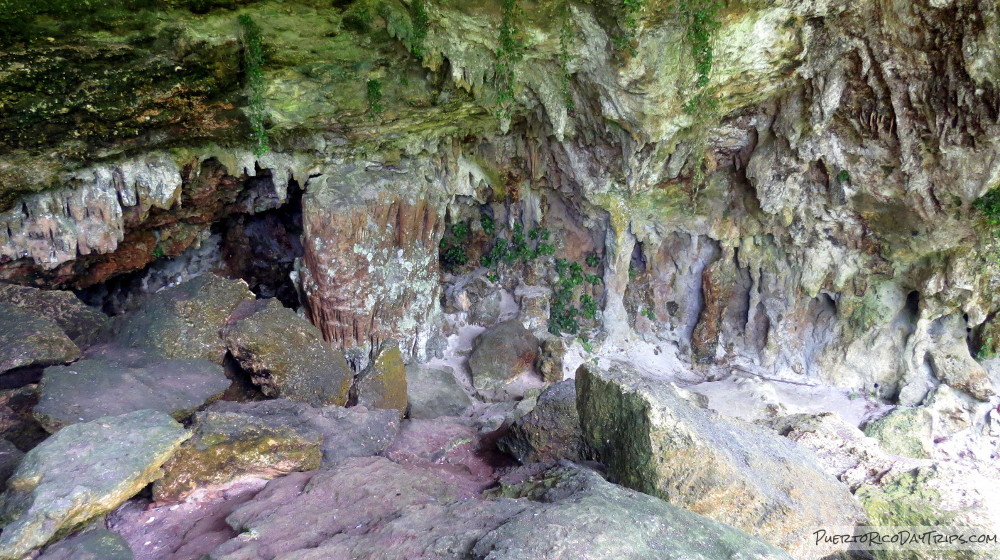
(113, 458)
(30, 340)
(383, 383)
(84, 325)
(905, 431)
(551, 431)
(184, 321)
(97, 544)
(286, 355)
(227, 446)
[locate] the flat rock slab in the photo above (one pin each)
(184, 321)
(228, 446)
(345, 432)
(577, 515)
(83, 471)
(654, 440)
(286, 355)
(99, 544)
(112, 381)
(434, 391)
(83, 324)
(29, 340)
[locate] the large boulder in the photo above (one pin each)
(655, 440)
(286, 355)
(434, 391)
(551, 431)
(345, 432)
(383, 383)
(581, 516)
(227, 446)
(184, 321)
(84, 325)
(502, 354)
(29, 340)
(82, 472)
(112, 381)
(99, 544)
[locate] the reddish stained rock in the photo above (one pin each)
(370, 265)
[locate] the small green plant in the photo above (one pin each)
(253, 68)
(632, 272)
(158, 252)
(592, 260)
(625, 41)
(566, 36)
(375, 106)
(844, 176)
(989, 206)
(701, 18)
(586, 344)
(987, 350)
(486, 221)
(510, 51)
(451, 249)
(648, 313)
(420, 21)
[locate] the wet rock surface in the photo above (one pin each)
(286, 356)
(111, 381)
(114, 458)
(30, 340)
(383, 383)
(98, 544)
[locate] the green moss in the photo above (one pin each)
(375, 107)
(253, 69)
(509, 52)
(989, 207)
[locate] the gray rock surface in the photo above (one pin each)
(501, 354)
(98, 544)
(82, 324)
(346, 432)
(82, 472)
(654, 440)
(10, 458)
(434, 392)
(286, 355)
(112, 381)
(29, 340)
(905, 431)
(551, 431)
(581, 516)
(184, 321)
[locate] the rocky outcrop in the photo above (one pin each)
(29, 340)
(114, 458)
(98, 544)
(184, 321)
(227, 446)
(654, 440)
(112, 381)
(285, 355)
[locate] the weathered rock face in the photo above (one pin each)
(653, 440)
(227, 446)
(345, 432)
(112, 381)
(29, 340)
(115, 457)
(551, 431)
(81, 323)
(10, 458)
(434, 392)
(184, 321)
(383, 383)
(98, 544)
(286, 356)
(501, 354)
(370, 269)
